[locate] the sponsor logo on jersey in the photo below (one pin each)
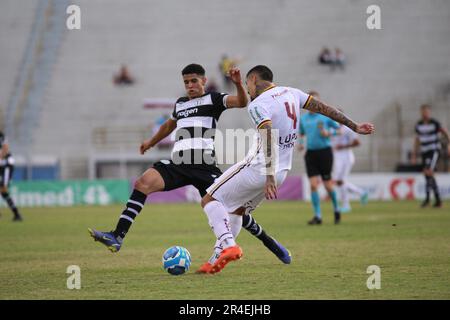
(187, 113)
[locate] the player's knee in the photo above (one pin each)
(206, 199)
(145, 185)
(239, 211)
(3, 190)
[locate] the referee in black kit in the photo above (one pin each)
(428, 132)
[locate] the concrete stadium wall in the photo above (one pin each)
(16, 19)
(405, 62)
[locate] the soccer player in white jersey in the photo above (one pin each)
(275, 111)
(344, 159)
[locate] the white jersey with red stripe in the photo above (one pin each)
(281, 106)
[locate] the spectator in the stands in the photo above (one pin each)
(325, 56)
(124, 77)
(338, 59)
(211, 86)
(226, 63)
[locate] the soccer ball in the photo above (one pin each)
(176, 260)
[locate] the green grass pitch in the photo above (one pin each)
(410, 245)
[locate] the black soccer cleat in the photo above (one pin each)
(337, 217)
(425, 203)
(17, 218)
(437, 204)
(315, 221)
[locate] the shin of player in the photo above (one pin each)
(344, 159)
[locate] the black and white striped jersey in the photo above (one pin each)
(8, 157)
(196, 121)
(428, 133)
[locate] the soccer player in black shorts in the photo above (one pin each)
(428, 142)
(193, 159)
(6, 172)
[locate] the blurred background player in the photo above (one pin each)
(343, 160)
(274, 110)
(193, 156)
(428, 142)
(317, 128)
(6, 172)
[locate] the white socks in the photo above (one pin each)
(219, 221)
(235, 225)
(345, 200)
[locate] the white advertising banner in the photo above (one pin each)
(389, 186)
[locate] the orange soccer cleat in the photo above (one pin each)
(205, 268)
(229, 254)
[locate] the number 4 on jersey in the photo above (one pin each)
(290, 110)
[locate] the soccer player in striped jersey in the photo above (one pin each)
(6, 172)
(275, 111)
(427, 140)
(193, 157)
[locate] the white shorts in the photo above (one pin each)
(342, 168)
(242, 185)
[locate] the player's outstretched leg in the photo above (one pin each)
(11, 205)
(219, 221)
(235, 227)
(249, 223)
(113, 240)
(150, 181)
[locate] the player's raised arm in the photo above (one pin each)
(165, 129)
(240, 100)
(316, 105)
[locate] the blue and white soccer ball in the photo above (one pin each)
(176, 260)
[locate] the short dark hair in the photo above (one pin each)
(263, 72)
(193, 68)
(425, 106)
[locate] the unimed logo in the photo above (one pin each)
(65, 197)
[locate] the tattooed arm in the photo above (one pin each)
(315, 105)
(268, 145)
